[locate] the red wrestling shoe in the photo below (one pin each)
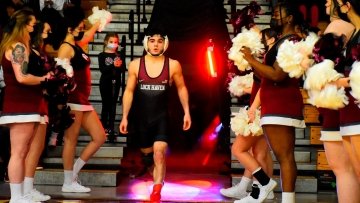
(155, 195)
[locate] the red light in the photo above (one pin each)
(211, 59)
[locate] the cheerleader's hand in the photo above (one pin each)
(341, 82)
(247, 54)
(251, 114)
(47, 76)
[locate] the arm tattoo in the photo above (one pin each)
(19, 57)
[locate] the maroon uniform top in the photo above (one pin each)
(21, 103)
(81, 65)
(349, 115)
(281, 102)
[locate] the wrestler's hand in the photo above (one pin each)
(187, 122)
(123, 126)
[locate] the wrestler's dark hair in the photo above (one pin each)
(156, 30)
(330, 46)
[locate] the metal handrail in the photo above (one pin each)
(123, 58)
(131, 33)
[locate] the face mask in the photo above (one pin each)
(274, 24)
(112, 46)
(266, 47)
(79, 37)
(49, 39)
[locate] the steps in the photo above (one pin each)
(101, 170)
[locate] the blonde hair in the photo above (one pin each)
(15, 31)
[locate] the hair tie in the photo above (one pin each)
(10, 25)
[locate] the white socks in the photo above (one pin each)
(77, 167)
(288, 197)
(71, 175)
(68, 177)
(244, 183)
(28, 184)
(16, 190)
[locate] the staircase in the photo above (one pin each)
(103, 168)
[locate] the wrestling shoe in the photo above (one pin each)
(38, 196)
(233, 192)
(156, 193)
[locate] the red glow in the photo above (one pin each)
(210, 57)
(210, 135)
(209, 139)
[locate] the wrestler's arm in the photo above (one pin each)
(177, 77)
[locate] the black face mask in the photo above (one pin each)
(274, 24)
(48, 39)
(79, 37)
(266, 47)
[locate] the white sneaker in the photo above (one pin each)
(23, 199)
(248, 199)
(38, 196)
(74, 187)
(266, 189)
(233, 192)
(271, 195)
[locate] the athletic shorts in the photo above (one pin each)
(152, 132)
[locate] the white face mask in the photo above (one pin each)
(112, 46)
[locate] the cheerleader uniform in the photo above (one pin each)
(255, 88)
(349, 115)
(330, 125)
(22, 103)
(281, 102)
(79, 98)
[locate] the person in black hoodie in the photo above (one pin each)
(111, 66)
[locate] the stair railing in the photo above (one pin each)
(144, 20)
(131, 33)
(232, 6)
(138, 13)
(124, 69)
